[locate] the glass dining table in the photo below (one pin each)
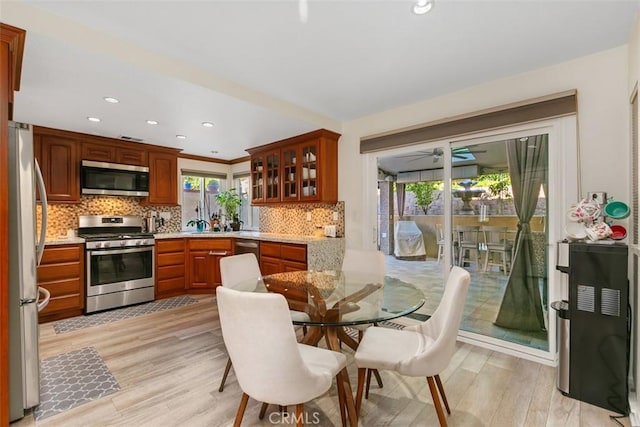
(336, 299)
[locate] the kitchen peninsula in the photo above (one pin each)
(185, 262)
(323, 253)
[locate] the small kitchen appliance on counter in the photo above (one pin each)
(119, 261)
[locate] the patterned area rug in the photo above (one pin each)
(80, 322)
(72, 379)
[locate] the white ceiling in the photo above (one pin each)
(259, 73)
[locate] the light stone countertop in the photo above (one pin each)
(255, 235)
(65, 241)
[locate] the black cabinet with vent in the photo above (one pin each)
(600, 325)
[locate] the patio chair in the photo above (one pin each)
(495, 242)
(468, 244)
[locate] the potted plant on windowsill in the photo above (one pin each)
(230, 202)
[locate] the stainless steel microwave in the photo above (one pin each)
(113, 179)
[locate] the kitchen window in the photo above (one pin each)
(199, 191)
(249, 215)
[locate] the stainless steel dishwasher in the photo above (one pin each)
(244, 246)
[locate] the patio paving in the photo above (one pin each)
(483, 300)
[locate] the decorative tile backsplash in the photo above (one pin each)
(292, 219)
(285, 219)
(63, 217)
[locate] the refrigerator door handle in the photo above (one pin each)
(43, 200)
(46, 296)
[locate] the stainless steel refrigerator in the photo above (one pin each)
(26, 246)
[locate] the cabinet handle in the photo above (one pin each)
(224, 253)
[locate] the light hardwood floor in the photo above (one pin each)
(169, 365)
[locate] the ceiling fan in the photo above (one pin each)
(437, 154)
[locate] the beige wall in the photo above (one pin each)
(633, 79)
(601, 81)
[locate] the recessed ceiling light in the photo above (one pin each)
(422, 6)
(111, 99)
(207, 124)
(152, 122)
(93, 119)
(181, 137)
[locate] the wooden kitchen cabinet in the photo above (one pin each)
(303, 168)
(282, 257)
(204, 263)
(131, 156)
(265, 173)
(163, 178)
(58, 155)
(108, 152)
(61, 272)
(170, 267)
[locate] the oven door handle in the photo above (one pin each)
(121, 251)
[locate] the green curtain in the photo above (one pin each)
(400, 196)
(521, 306)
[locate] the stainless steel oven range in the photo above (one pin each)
(119, 261)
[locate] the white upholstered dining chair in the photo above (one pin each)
(368, 261)
(423, 350)
(358, 260)
(236, 270)
(271, 366)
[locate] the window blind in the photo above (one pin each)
(556, 105)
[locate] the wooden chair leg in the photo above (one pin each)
(361, 375)
(378, 378)
(444, 396)
(241, 408)
(341, 402)
(224, 376)
(343, 376)
(436, 402)
(366, 390)
(300, 414)
(263, 410)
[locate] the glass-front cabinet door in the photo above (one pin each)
(290, 176)
(272, 176)
(257, 179)
(309, 177)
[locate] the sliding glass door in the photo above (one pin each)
(498, 217)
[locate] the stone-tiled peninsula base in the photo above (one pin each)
(325, 254)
